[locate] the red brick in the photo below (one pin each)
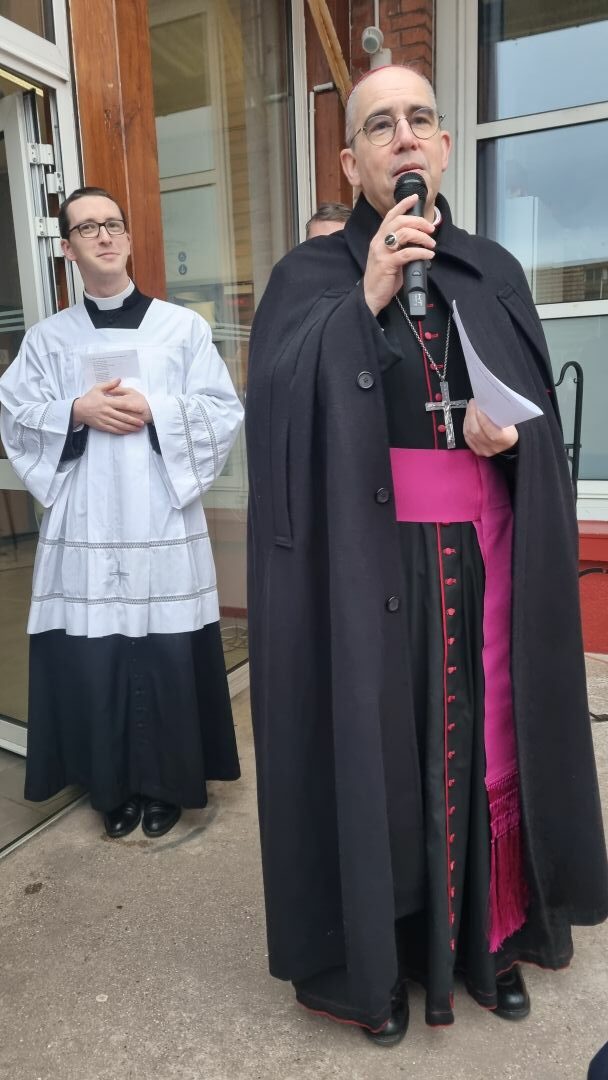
(405, 7)
(408, 32)
(414, 38)
(407, 22)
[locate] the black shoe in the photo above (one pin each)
(394, 1031)
(159, 817)
(513, 998)
(124, 818)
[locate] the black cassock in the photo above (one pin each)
(119, 716)
(425, 938)
(348, 689)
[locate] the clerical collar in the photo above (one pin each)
(108, 303)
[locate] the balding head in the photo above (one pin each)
(351, 104)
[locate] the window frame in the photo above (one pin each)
(456, 86)
(30, 56)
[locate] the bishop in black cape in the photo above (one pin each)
(345, 652)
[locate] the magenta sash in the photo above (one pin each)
(445, 486)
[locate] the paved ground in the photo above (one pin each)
(145, 960)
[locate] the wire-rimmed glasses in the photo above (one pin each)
(380, 129)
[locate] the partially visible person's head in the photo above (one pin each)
(330, 217)
(400, 95)
(94, 234)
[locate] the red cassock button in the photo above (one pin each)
(451, 580)
(452, 945)
(451, 611)
(452, 811)
(451, 698)
(452, 892)
(451, 640)
(451, 782)
(429, 336)
(452, 837)
(452, 669)
(451, 755)
(441, 427)
(438, 397)
(449, 551)
(452, 918)
(451, 727)
(453, 865)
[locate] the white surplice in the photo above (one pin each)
(124, 546)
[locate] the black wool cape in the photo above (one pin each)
(339, 785)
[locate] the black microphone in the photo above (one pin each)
(412, 183)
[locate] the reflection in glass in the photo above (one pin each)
(541, 195)
(12, 326)
(18, 538)
(18, 526)
(538, 57)
(585, 340)
(34, 15)
(182, 95)
(183, 211)
(19, 513)
(223, 108)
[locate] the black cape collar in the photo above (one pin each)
(454, 243)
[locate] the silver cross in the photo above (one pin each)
(446, 406)
(119, 574)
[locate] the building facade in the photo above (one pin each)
(217, 124)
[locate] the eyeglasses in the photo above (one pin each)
(380, 129)
(90, 229)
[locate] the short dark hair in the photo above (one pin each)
(330, 211)
(81, 193)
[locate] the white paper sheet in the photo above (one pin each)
(104, 367)
(503, 405)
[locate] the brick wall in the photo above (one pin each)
(331, 184)
(408, 31)
(593, 553)
(407, 26)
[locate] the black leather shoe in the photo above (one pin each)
(159, 817)
(513, 998)
(394, 1031)
(124, 818)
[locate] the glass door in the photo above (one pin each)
(223, 105)
(27, 293)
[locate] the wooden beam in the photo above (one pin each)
(113, 76)
(331, 47)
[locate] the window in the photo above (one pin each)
(584, 340)
(541, 194)
(34, 15)
(223, 103)
(526, 91)
(540, 56)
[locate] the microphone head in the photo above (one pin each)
(411, 183)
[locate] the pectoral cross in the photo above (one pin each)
(446, 406)
(119, 574)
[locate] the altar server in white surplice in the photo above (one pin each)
(118, 414)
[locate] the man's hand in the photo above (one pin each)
(108, 407)
(483, 436)
(132, 402)
(384, 271)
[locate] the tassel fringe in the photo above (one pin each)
(509, 896)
